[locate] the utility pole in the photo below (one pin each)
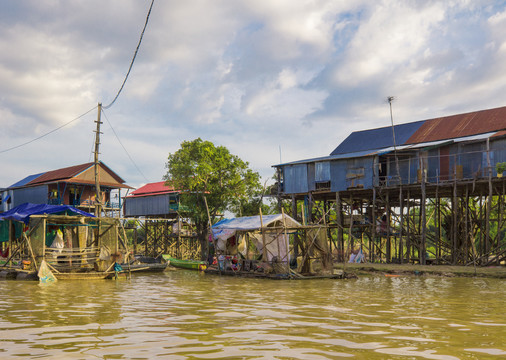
(98, 196)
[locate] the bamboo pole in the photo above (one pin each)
(212, 235)
(489, 200)
(422, 246)
(401, 205)
(264, 248)
(31, 252)
(339, 219)
(286, 240)
(389, 221)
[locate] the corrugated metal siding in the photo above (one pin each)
(434, 171)
(295, 179)
(147, 206)
(499, 150)
(34, 195)
(338, 175)
(311, 177)
(471, 159)
(408, 165)
(322, 171)
(460, 125)
(359, 173)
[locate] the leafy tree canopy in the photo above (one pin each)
(200, 168)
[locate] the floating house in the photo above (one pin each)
(375, 174)
(59, 242)
(74, 185)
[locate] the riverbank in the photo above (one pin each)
(498, 272)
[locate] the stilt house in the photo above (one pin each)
(74, 185)
(378, 172)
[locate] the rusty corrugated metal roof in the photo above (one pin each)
(60, 174)
(68, 174)
(460, 125)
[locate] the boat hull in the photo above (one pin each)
(185, 264)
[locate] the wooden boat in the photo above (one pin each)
(185, 264)
(147, 264)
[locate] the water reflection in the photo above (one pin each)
(187, 315)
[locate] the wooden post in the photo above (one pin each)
(350, 229)
(11, 250)
(489, 202)
(389, 221)
(467, 230)
(437, 221)
(408, 228)
(339, 219)
(401, 206)
(98, 195)
(481, 229)
(287, 242)
(422, 248)
(264, 249)
(455, 209)
(296, 237)
(373, 220)
(438, 228)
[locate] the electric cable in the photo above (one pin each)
(133, 59)
(50, 132)
(117, 137)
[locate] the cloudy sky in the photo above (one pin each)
(272, 81)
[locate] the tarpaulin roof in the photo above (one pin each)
(24, 211)
(253, 222)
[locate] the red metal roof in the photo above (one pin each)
(454, 126)
(157, 188)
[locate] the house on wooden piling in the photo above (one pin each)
(74, 185)
(152, 200)
(156, 209)
(378, 172)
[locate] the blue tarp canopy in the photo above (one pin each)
(24, 211)
(249, 223)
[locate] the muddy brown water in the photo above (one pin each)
(187, 315)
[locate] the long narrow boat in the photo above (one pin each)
(185, 264)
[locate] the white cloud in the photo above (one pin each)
(393, 33)
(249, 75)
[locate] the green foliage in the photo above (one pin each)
(133, 231)
(200, 168)
(500, 167)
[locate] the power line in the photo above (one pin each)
(117, 137)
(133, 59)
(46, 134)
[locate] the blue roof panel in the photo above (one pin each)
(377, 138)
(26, 180)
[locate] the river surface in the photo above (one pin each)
(187, 315)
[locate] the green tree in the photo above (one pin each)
(200, 169)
